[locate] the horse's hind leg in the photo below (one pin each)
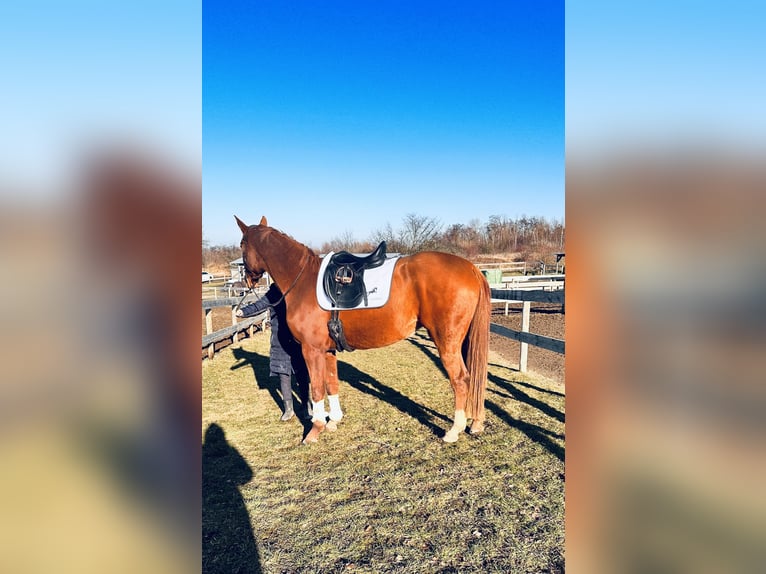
(336, 413)
(452, 359)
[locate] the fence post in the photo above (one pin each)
(208, 321)
(525, 329)
(234, 322)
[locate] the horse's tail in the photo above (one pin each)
(475, 353)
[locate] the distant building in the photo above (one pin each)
(559, 262)
(237, 268)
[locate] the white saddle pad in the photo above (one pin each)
(377, 281)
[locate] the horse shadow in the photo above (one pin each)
(509, 390)
(363, 382)
(539, 434)
(426, 344)
(261, 372)
(228, 540)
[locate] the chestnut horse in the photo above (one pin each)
(444, 293)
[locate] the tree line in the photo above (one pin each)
(525, 238)
(522, 237)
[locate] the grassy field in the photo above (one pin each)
(383, 493)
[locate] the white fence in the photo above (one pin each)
(509, 267)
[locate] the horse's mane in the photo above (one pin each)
(290, 237)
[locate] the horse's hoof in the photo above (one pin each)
(477, 427)
(331, 426)
(313, 435)
(450, 437)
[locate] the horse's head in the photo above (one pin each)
(255, 267)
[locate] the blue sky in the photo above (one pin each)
(448, 110)
(82, 72)
(665, 73)
(342, 117)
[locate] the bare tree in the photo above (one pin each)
(386, 234)
(205, 251)
(419, 233)
(346, 241)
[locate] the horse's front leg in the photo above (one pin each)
(331, 367)
(315, 362)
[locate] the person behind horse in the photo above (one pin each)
(285, 356)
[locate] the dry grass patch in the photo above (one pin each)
(383, 493)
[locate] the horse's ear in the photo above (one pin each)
(263, 220)
(242, 226)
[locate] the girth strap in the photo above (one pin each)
(335, 326)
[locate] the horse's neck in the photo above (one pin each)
(287, 259)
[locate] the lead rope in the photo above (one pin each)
(295, 281)
(290, 288)
(250, 290)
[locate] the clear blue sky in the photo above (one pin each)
(454, 111)
(336, 117)
(665, 73)
(83, 72)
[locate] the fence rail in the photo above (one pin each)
(507, 266)
(537, 295)
(549, 343)
(211, 338)
(524, 337)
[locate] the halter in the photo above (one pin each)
(290, 288)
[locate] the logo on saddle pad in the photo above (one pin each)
(348, 281)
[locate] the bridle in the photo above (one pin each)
(290, 288)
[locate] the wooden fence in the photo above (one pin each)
(526, 297)
(524, 336)
(221, 336)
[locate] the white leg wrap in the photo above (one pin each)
(335, 411)
(457, 427)
(460, 421)
(319, 412)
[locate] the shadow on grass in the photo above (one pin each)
(536, 433)
(425, 344)
(260, 366)
(527, 385)
(228, 541)
(429, 349)
(521, 396)
(367, 384)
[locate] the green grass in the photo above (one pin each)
(383, 493)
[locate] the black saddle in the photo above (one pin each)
(344, 276)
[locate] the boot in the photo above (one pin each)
(306, 411)
(287, 396)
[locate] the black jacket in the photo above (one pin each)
(285, 356)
